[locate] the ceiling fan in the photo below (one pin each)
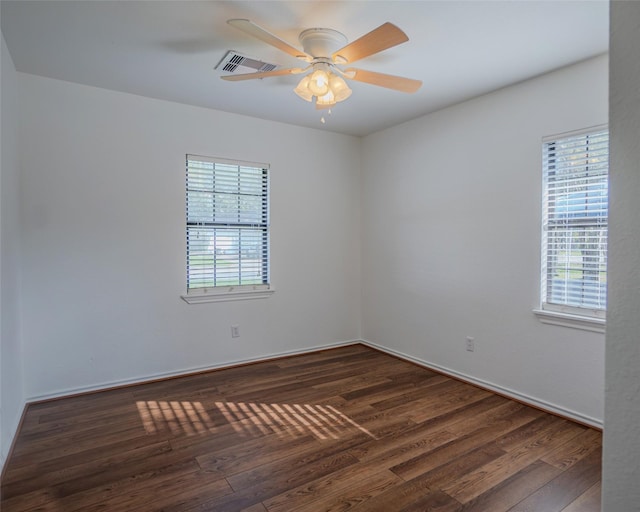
(326, 53)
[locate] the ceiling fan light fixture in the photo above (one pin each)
(327, 99)
(327, 87)
(319, 82)
(339, 87)
(302, 89)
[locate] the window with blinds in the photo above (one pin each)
(575, 212)
(227, 224)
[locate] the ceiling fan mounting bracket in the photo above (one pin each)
(321, 42)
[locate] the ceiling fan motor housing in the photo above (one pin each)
(321, 42)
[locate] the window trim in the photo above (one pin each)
(234, 292)
(558, 314)
(585, 323)
(228, 293)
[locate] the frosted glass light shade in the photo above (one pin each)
(302, 89)
(327, 99)
(339, 88)
(319, 83)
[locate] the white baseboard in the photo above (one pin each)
(180, 373)
(535, 402)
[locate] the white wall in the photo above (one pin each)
(621, 460)
(451, 241)
(102, 205)
(11, 389)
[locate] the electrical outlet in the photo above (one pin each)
(235, 331)
(470, 344)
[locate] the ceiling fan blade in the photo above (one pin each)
(263, 74)
(259, 33)
(397, 83)
(379, 39)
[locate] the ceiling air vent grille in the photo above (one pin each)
(234, 62)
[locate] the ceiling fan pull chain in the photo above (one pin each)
(322, 119)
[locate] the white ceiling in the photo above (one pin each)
(168, 50)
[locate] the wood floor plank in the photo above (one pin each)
(435, 501)
(36, 430)
(258, 507)
(438, 386)
(30, 478)
(104, 448)
(75, 440)
(479, 410)
(267, 482)
(237, 459)
(399, 496)
(516, 439)
(588, 501)
(340, 490)
(566, 487)
(376, 391)
(379, 424)
(180, 490)
(131, 469)
(495, 472)
(513, 490)
(573, 451)
(361, 493)
(446, 470)
(403, 447)
(348, 428)
(465, 441)
(191, 492)
(82, 409)
(429, 408)
(127, 492)
(307, 464)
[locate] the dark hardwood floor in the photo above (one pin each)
(343, 429)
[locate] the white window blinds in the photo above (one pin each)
(575, 213)
(227, 223)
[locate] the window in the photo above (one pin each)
(227, 229)
(574, 235)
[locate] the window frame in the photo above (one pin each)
(564, 314)
(229, 292)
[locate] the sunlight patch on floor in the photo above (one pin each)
(184, 417)
(247, 419)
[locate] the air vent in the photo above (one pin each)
(234, 62)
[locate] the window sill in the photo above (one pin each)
(585, 323)
(227, 294)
